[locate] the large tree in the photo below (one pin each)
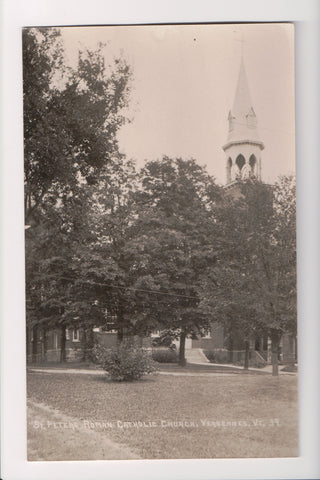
(103, 270)
(71, 119)
(51, 270)
(71, 116)
(258, 261)
(172, 252)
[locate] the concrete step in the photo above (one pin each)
(195, 355)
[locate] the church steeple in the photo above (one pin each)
(243, 147)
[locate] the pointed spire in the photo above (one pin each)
(242, 117)
(242, 100)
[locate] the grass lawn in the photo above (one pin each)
(180, 417)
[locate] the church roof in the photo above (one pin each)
(242, 117)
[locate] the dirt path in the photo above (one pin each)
(60, 437)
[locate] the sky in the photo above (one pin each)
(183, 86)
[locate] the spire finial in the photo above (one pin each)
(241, 40)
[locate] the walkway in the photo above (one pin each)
(192, 370)
(195, 356)
(54, 436)
(74, 371)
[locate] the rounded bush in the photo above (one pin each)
(165, 355)
(124, 363)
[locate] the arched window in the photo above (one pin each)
(240, 161)
(252, 163)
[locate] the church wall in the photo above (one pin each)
(107, 339)
(49, 346)
(288, 348)
(216, 339)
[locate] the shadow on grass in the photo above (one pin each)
(163, 367)
(289, 368)
(65, 365)
(207, 368)
(106, 379)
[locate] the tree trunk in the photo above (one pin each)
(84, 346)
(35, 344)
(87, 344)
(63, 344)
(45, 344)
(90, 343)
(230, 349)
(120, 324)
(246, 354)
(292, 355)
(120, 335)
(182, 347)
(275, 341)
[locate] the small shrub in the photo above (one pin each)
(124, 363)
(210, 355)
(165, 355)
(218, 355)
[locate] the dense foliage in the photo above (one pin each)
(163, 248)
(125, 363)
(164, 355)
(257, 273)
(71, 119)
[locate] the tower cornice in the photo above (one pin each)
(242, 142)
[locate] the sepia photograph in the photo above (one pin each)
(160, 241)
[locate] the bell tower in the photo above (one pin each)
(243, 147)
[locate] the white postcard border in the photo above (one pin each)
(19, 13)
